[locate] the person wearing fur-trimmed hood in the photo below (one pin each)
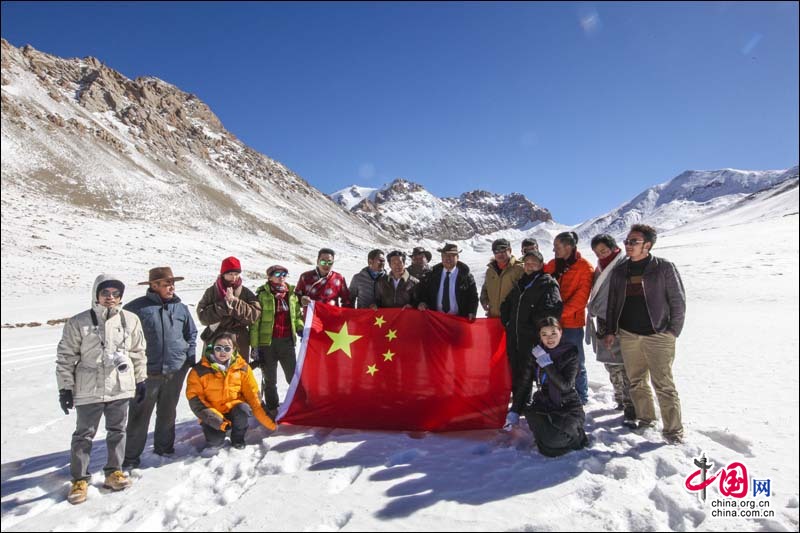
(100, 366)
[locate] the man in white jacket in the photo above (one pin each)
(100, 366)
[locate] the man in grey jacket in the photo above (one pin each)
(171, 339)
(99, 366)
(646, 309)
(364, 283)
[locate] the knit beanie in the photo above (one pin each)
(230, 264)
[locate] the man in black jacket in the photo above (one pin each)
(646, 308)
(450, 288)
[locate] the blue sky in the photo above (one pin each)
(578, 106)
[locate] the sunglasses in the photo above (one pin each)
(631, 242)
(106, 293)
(325, 263)
(226, 349)
(280, 274)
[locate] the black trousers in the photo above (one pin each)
(280, 351)
(239, 417)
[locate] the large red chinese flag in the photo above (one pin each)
(398, 369)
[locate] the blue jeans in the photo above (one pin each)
(575, 336)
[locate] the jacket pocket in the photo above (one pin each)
(126, 382)
(85, 382)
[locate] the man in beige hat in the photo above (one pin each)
(449, 288)
(171, 339)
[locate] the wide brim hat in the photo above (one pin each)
(160, 273)
(421, 250)
(449, 249)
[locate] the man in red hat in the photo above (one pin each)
(229, 306)
(171, 338)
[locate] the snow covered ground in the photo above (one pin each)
(736, 371)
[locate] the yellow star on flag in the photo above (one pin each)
(342, 340)
(371, 369)
(392, 334)
(379, 321)
(388, 355)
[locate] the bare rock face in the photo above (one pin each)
(84, 140)
(406, 208)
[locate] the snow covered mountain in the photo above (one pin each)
(353, 195)
(88, 154)
(693, 195)
(408, 209)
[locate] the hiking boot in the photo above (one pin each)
(238, 445)
(128, 464)
(117, 480)
(629, 413)
(165, 453)
(646, 424)
(630, 423)
(78, 492)
(673, 438)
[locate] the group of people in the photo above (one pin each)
(125, 363)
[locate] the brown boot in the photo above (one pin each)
(78, 492)
(117, 480)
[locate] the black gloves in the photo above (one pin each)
(141, 390)
(65, 399)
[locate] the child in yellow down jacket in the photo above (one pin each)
(223, 393)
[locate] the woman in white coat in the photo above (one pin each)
(608, 256)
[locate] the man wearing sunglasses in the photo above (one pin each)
(274, 335)
(323, 284)
(171, 342)
(646, 310)
(100, 365)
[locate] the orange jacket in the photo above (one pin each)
(575, 286)
(223, 391)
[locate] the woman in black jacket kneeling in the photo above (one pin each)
(556, 415)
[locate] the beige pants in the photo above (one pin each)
(648, 358)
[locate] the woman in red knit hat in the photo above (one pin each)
(229, 306)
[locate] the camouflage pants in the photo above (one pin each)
(622, 386)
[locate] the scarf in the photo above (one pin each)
(606, 260)
(562, 265)
(222, 286)
(280, 291)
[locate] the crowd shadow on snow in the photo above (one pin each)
(467, 467)
(50, 473)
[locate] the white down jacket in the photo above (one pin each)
(103, 362)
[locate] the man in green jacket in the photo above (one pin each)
(274, 334)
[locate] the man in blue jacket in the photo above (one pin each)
(170, 334)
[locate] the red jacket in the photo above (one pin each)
(575, 285)
(328, 289)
